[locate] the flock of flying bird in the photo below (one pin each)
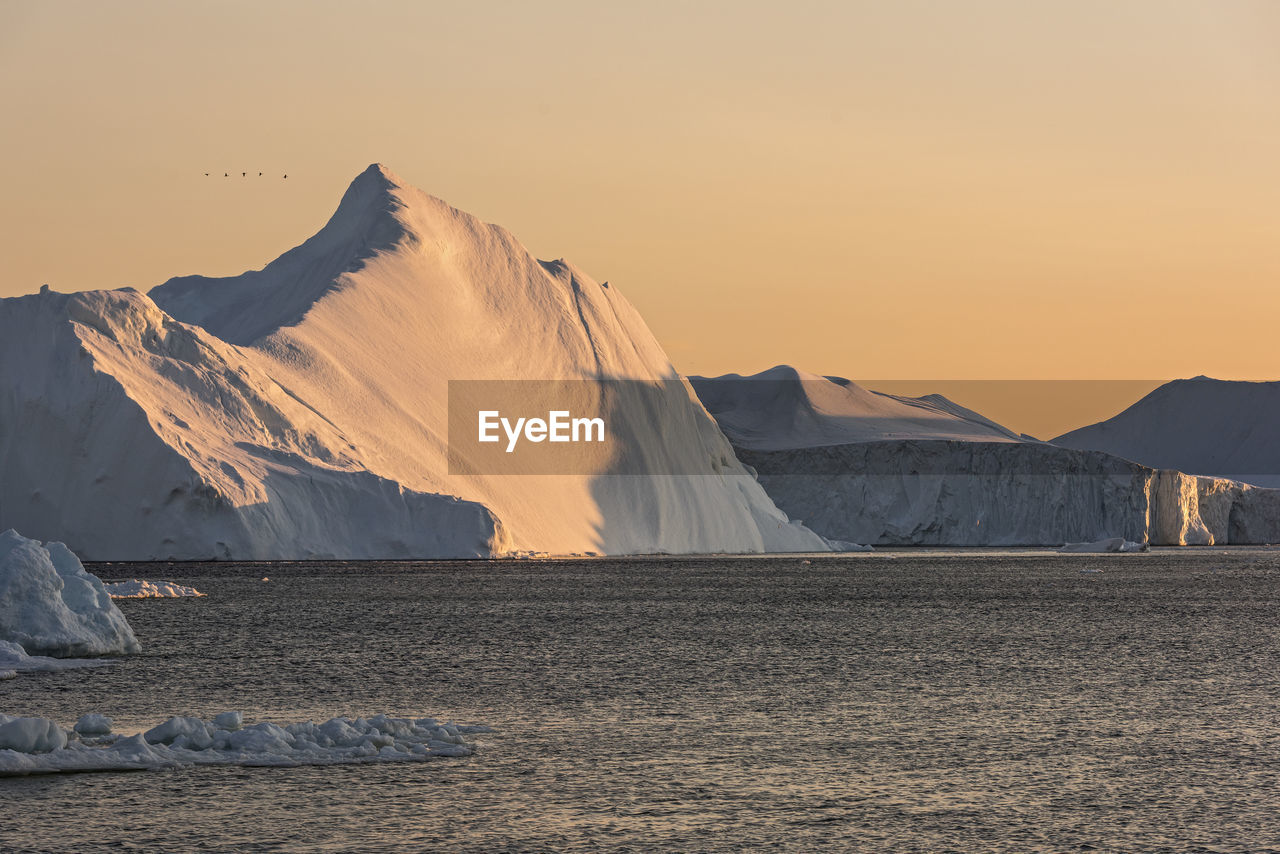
(242, 175)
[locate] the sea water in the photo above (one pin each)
(909, 701)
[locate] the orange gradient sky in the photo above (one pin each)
(996, 189)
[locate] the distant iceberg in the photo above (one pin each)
(138, 589)
(1215, 428)
(41, 746)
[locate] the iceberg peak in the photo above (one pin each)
(376, 179)
(370, 219)
(370, 200)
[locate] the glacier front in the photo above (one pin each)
(872, 468)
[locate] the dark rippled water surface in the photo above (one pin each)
(935, 702)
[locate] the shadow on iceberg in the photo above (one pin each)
(692, 496)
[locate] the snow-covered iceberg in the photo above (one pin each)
(50, 605)
(136, 588)
(41, 746)
(301, 410)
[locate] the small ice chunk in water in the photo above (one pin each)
(193, 731)
(230, 721)
(14, 660)
(93, 724)
(1112, 544)
(138, 589)
(31, 735)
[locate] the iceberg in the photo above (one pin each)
(41, 746)
(138, 589)
(50, 605)
(787, 408)
(301, 410)
(1203, 426)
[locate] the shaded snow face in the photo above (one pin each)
(784, 408)
(1201, 426)
(50, 605)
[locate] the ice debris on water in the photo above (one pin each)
(14, 660)
(41, 746)
(138, 589)
(1112, 544)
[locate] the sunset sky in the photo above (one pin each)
(913, 189)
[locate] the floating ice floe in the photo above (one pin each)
(30, 736)
(14, 660)
(93, 724)
(1113, 544)
(50, 605)
(40, 746)
(138, 589)
(846, 546)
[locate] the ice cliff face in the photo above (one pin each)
(1203, 426)
(985, 493)
(939, 490)
(300, 410)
